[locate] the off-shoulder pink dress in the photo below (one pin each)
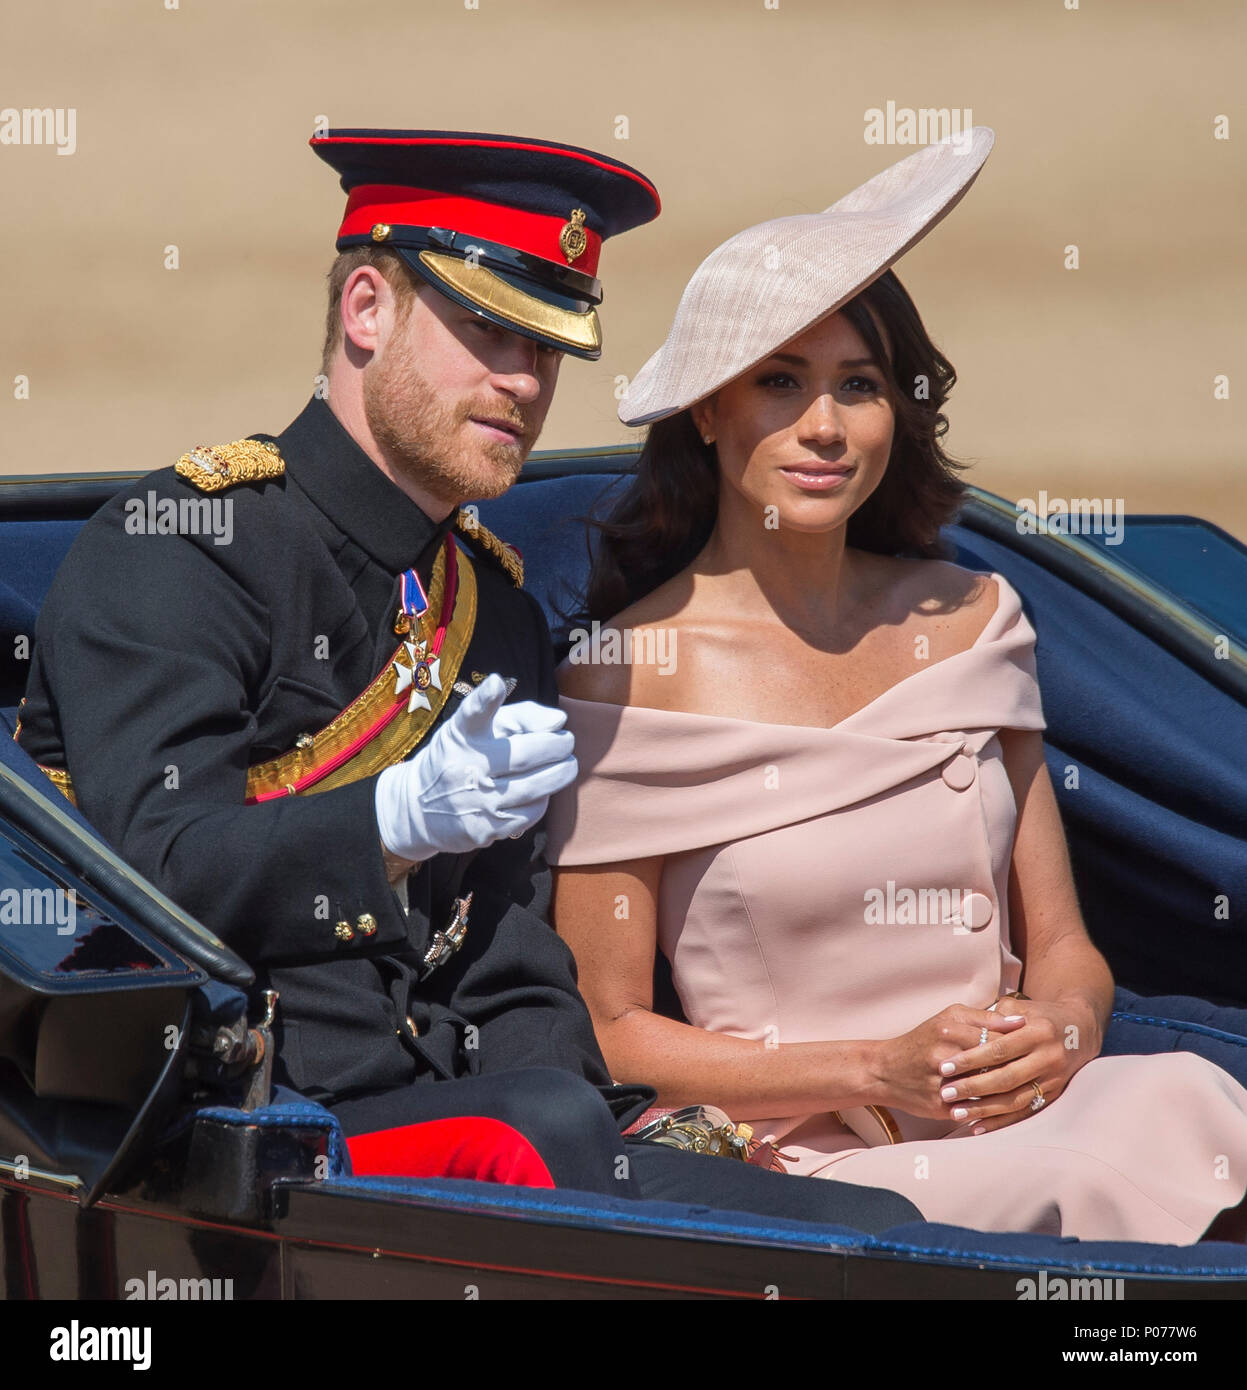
(851, 882)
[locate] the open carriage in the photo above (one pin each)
(118, 1159)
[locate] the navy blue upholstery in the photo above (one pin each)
(1178, 1023)
(30, 554)
(541, 519)
(1157, 821)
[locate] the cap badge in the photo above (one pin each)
(572, 239)
(381, 231)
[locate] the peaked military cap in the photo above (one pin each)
(508, 227)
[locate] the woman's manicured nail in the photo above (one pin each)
(979, 1129)
(949, 1093)
(960, 1113)
(1015, 1018)
(947, 1068)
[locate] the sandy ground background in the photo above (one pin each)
(191, 131)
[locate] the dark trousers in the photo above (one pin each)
(572, 1128)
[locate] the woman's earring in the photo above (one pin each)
(707, 439)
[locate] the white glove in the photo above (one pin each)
(486, 773)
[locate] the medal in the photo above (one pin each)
(423, 670)
(422, 673)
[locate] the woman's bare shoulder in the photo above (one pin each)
(606, 664)
(581, 678)
(960, 602)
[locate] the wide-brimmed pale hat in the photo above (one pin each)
(768, 284)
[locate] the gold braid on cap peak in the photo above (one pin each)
(211, 467)
(507, 556)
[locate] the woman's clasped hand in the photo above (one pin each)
(942, 1069)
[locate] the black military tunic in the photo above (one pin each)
(166, 664)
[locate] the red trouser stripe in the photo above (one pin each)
(468, 1146)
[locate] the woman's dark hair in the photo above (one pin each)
(665, 516)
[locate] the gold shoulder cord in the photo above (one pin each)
(471, 529)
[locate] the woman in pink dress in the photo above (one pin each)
(812, 775)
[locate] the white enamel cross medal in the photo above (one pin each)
(422, 673)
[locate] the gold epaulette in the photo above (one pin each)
(211, 467)
(506, 555)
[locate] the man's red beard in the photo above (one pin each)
(433, 444)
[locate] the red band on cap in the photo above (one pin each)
(399, 206)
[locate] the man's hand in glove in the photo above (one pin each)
(486, 773)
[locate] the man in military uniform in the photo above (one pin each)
(329, 728)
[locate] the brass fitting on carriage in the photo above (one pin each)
(234, 1050)
(260, 1081)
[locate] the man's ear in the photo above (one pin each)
(366, 296)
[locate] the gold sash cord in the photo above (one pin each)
(375, 730)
